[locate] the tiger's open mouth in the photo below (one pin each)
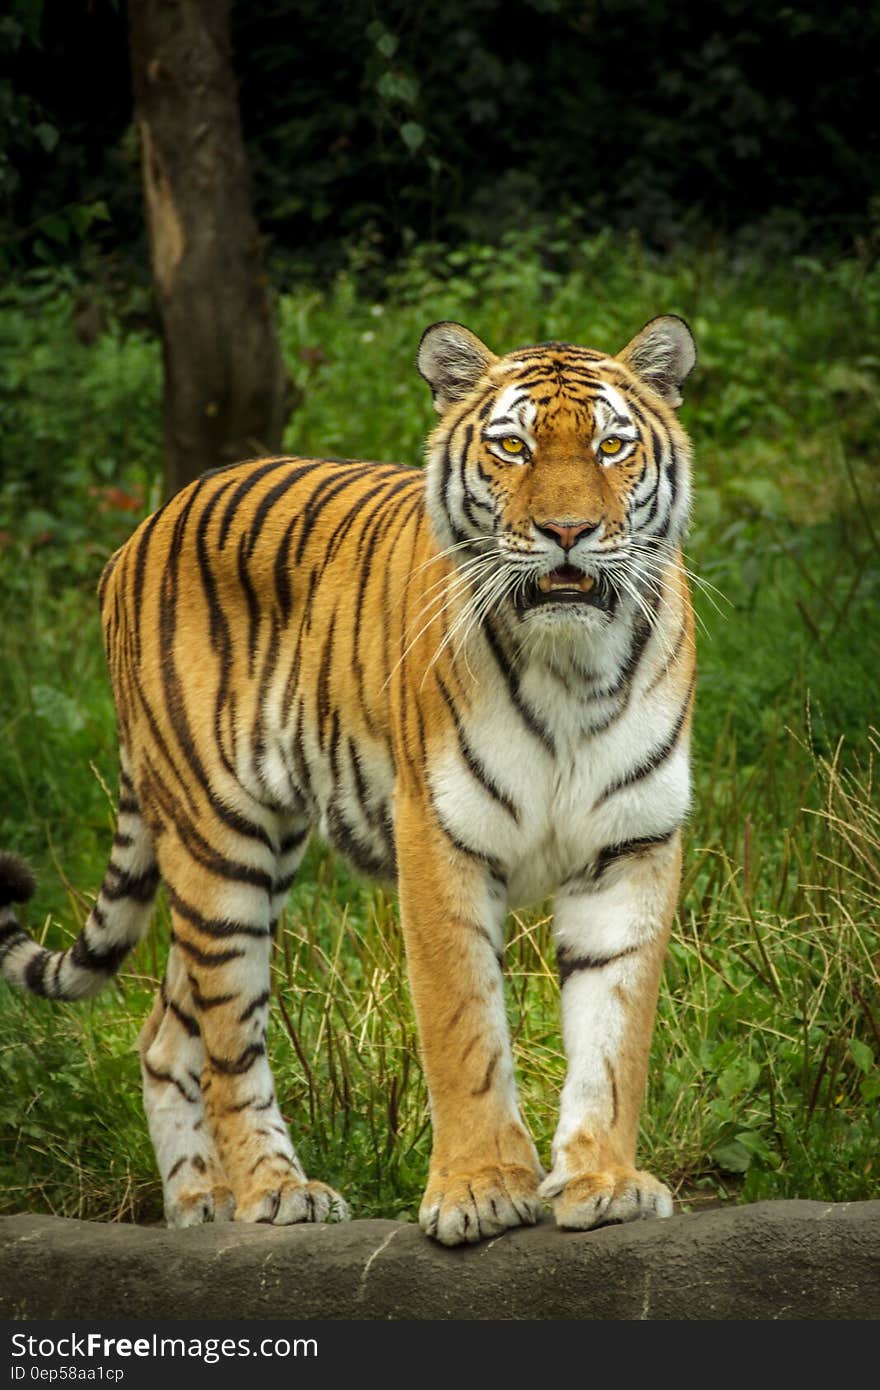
(567, 584)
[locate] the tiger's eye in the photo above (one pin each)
(512, 445)
(610, 447)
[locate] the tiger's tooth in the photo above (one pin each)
(544, 583)
(586, 584)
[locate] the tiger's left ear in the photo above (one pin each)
(452, 359)
(663, 355)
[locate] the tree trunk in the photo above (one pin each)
(226, 389)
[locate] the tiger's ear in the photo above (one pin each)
(452, 360)
(663, 355)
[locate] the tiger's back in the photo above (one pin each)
(476, 677)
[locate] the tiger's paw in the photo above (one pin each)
(609, 1195)
(197, 1208)
(461, 1208)
(290, 1202)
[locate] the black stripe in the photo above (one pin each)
(323, 683)
(569, 964)
(209, 958)
(292, 841)
(187, 1020)
(653, 761)
(652, 510)
(140, 888)
(105, 962)
(253, 1006)
(671, 659)
(395, 489)
(244, 487)
(625, 849)
(105, 576)
(352, 844)
(609, 1070)
(10, 936)
(237, 1066)
(216, 927)
(140, 572)
(204, 1002)
(166, 1076)
(378, 817)
(281, 570)
(487, 1079)
(273, 496)
(325, 490)
(35, 972)
(244, 1105)
(511, 679)
(202, 851)
(494, 865)
(672, 477)
(476, 768)
(219, 628)
(251, 600)
(56, 975)
(392, 506)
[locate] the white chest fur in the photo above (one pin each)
(544, 808)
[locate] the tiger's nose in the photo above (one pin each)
(566, 533)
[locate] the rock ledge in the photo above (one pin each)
(771, 1260)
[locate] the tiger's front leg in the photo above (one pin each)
(611, 937)
(484, 1171)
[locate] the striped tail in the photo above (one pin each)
(116, 923)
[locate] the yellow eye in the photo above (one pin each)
(512, 445)
(610, 447)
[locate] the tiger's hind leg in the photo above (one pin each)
(223, 911)
(172, 1062)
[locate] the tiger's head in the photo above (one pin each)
(559, 476)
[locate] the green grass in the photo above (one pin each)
(764, 1079)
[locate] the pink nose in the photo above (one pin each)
(566, 532)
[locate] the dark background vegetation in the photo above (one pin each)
(401, 122)
(538, 170)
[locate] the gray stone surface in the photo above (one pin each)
(770, 1260)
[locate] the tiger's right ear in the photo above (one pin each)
(452, 360)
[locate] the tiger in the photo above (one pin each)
(474, 676)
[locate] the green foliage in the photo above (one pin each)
(764, 1077)
(61, 146)
(80, 429)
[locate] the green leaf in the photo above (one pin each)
(861, 1055)
(387, 44)
(56, 227)
(739, 1076)
(732, 1157)
(413, 136)
(47, 136)
(84, 214)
